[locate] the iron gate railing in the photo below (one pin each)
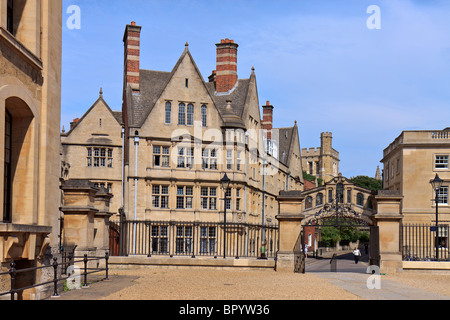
(175, 238)
(418, 242)
(60, 274)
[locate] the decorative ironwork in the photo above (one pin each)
(337, 214)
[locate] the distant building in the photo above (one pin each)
(322, 162)
(92, 149)
(378, 174)
(410, 162)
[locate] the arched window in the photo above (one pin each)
(190, 115)
(308, 203)
(168, 113)
(319, 199)
(182, 114)
(204, 115)
(7, 174)
(360, 199)
(340, 192)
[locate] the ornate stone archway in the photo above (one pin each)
(386, 218)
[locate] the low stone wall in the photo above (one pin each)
(186, 262)
(432, 266)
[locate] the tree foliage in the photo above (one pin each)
(367, 182)
(331, 235)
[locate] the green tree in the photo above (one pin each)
(330, 236)
(367, 182)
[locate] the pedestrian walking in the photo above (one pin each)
(357, 255)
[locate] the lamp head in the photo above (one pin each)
(436, 183)
(225, 181)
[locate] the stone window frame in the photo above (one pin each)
(360, 199)
(319, 199)
(185, 197)
(181, 114)
(99, 157)
(441, 161)
(185, 158)
(190, 114)
(168, 113)
(208, 239)
(209, 159)
(208, 198)
(443, 195)
(308, 203)
(160, 196)
(161, 156)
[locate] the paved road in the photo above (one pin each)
(355, 279)
(343, 263)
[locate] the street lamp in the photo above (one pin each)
(225, 182)
(436, 184)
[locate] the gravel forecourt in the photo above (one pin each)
(227, 284)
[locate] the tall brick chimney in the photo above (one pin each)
(132, 42)
(267, 121)
(226, 69)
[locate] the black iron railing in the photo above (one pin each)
(193, 239)
(418, 242)
(69, 270)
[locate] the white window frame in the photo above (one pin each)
(441, 164)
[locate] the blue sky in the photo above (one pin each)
(316, 61)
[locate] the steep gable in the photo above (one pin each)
(95, 126)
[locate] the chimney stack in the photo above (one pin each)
(267, 121)
(226, 70)
(132, 42)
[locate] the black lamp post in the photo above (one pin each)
(225, 184)
(436, 184)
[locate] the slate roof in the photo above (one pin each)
(286, 136)
(152, 84)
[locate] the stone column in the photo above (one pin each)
(101, 221)
(290, 224)
(79, 212)
(388, 219)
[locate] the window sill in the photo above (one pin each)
(12, 42)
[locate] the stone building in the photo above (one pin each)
(410, 162)
(322, 162)
(30, 100)
(92, 150)
(183, 134)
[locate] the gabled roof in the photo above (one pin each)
(153, 83)
(116, 114)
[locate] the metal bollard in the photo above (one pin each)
(55, 277)
(106, 259)
(12, 273)
(85, 271)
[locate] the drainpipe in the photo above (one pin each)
(264, 201)
(136, 144)
(123, 165)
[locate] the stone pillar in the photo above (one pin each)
(388, 219)
(290, 223)
(79, 213)
(101, 221)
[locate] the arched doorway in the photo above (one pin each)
(338, 229)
